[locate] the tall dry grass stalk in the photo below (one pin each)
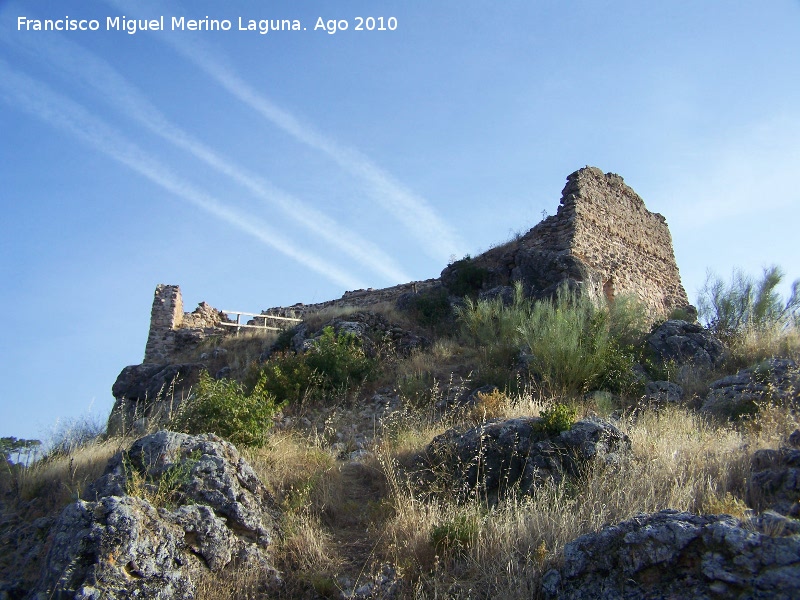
(755, 345)
(62, 477)
(678, 461)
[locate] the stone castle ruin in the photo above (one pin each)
(171, 329)
(602, 242)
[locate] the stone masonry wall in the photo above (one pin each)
(165, 316)
(603, 239)
(629, 246)
(357, 298)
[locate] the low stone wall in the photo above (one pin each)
(357, 298)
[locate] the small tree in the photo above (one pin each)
(224, 407)
(9, 446)
(745, 305)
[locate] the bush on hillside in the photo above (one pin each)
(556, 418)
(573, 345)
(431, 308)
(494, 327)
(466, 277)
(744, 305)
(225, 408)
(340, 359)
(334, 363)
(576, 346)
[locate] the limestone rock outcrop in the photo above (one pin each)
(500, 455)
(774, 482)
(689, 346)
(199, 507)
(147, 395)
(673, 554)
(774, 380)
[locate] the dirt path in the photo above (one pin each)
(350, 527)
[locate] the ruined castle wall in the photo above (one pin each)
(601, 222)
(165, 316)
(358, 299)
(614, 234)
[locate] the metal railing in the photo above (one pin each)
(266, 318)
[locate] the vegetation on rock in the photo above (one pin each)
(224, 408)
(745, 306)
(335, 432)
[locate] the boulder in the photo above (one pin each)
(500, 455)
(774, 482)
(147, 395)
(213, 513)
(661, 392)
(671, 554)
(774, 380)
(369, 327)
(689, 345)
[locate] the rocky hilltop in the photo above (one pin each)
(602, 242)
(544, 420)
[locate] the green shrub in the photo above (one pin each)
(431, 308)
(490, 323)
(744, 305)
(467, 278)
(455, 536)
(290, 379)
(576, 346)
(494, 327)
(224, 407)
(573, 345)
(334, 363)
(339, 359)
(556, 418)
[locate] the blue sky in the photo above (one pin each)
(262, 170)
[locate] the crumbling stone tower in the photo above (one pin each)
(165, 316)
(602, 241)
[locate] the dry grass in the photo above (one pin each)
(754, 346)
(386, 309)
(680, 461)
(308, 487)
(239, 351)
(61, 478)
(315, 320)
(242, 584)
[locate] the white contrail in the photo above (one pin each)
(37, 99)
(413, 211)
(80, 64)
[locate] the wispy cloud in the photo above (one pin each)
(107, 83)
(747, 174)
(37, 99)
(414, 212)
